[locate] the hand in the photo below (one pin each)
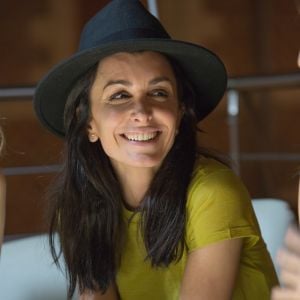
(289, 262)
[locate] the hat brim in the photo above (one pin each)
(202, 67)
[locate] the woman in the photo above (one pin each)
(141, 212)
(2, 193)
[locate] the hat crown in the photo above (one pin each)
(126, 25)
(121, 20)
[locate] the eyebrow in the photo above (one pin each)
(159, 79)
(154, 81)
(120, 81)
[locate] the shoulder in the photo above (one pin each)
(206, 167)
(216, 186)
(218, 206)
(212, 176)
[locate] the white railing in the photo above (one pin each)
(254, 83)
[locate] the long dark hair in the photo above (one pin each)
(87, 201)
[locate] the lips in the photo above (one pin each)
(141, 137)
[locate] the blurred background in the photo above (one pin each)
(257, 123)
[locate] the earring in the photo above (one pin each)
(93, 138)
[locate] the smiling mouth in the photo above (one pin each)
(141, 137)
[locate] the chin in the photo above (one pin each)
(146, 164)
(138, 161)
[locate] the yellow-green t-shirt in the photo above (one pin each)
(218, 208)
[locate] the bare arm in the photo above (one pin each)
(299, 195)
(289, 262)
(2, 206)
(211, 272)
(111, 294)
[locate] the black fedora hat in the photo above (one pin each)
(125, 25)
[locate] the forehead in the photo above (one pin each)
(144, 61)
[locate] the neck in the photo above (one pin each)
(135, 182)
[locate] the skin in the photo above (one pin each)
(2, 206)
(208, 275)
(111, 294)
(136, 94)
(289, 261)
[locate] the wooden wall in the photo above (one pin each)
(253, 37)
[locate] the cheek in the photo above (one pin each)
(105, 120)
(173, 118)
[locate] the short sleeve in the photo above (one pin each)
(218, 208)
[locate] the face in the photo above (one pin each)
(134, 109)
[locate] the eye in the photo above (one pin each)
(119, 96)
(160, 93)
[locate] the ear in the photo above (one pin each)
(92, 135)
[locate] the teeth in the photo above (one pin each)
(141, 136)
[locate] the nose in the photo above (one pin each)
(141, 111)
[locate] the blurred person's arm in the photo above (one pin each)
(299, 188)
(2, 206)
(289, 262)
